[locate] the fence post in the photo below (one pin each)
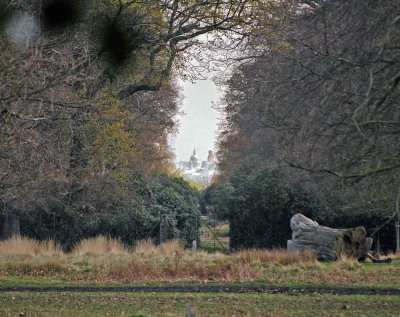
(194, 246)
(397, 226)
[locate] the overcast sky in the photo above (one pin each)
(198, 126)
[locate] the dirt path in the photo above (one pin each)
(267, 289)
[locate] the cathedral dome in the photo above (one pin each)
(194, 160)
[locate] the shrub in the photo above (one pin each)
(261, 206)
(215, 197)
(128, 221)
(262, 202)
(179, 204)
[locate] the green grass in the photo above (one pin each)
(173, 304)
(51, 281)
(170, 265)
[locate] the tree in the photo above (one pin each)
(325, 102)
(58, 79)
(328, 103)
(214, 200)
(177, 205)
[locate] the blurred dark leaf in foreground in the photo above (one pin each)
(59, 13)
(119, 44)
(5, 14)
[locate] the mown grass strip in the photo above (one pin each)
(267, 289)
(207, 304)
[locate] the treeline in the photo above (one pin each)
(75, 158)
(88, 97)
(313, 125)
(87, 101)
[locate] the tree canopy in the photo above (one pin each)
(321, 105)
(88, 98)
(325, 101)
(89, 95)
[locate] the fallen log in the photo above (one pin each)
(328, 244)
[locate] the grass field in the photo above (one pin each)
(174, 304)
(105, 262)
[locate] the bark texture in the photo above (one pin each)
(9, 226)
(329, 244)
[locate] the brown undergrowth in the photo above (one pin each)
(186, 266)
(103, 259)
(27, 246)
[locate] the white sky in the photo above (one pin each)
(198, 125)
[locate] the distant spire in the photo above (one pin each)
(210, 157)
(194, 151)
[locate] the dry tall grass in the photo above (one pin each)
(170, 262)
(145, 248)
(172, 247)
(347, 263)
(148, 248)
(26, 246)
(184, 265)
(274, 256)
(91, 261)
(99, 245)
(25, 256)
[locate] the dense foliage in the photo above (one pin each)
(179, 204)
(87, 101)
(260, 203)
(88, 97)
(322, 106)
(164, 196)
(214, 200)
(259, 206)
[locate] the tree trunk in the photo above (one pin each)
(9, 226)
(329, 244)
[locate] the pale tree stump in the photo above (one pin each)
(328, 244)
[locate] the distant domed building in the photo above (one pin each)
(201, 171)
(194, 161)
